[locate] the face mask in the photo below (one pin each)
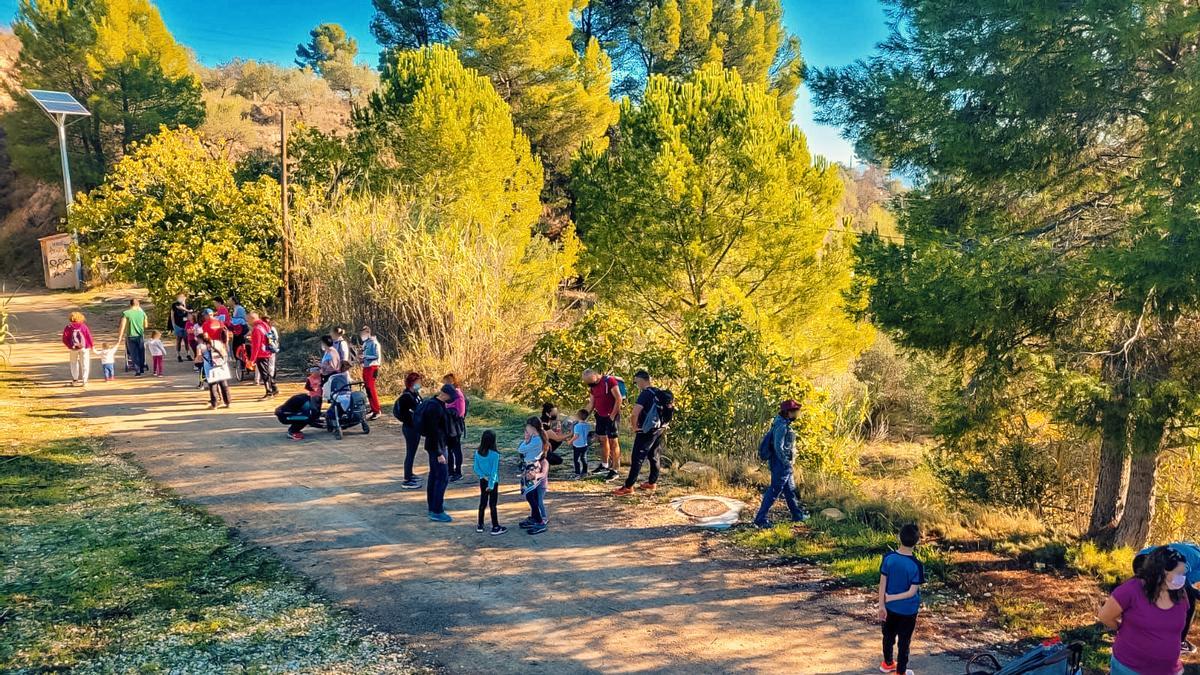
(363, 337)
(417, 387)
(1176, 581)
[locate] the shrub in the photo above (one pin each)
(1109, 567)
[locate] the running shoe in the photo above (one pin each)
(442, 517)
(622, 491)
(648, 486)
(885, 667)
(611, 475)
(526, 524)
(537, 528)
(413, 484)
(479, 529)
(296, 436)
(599, 469)
(372, 417)
(455, 478)
(499, 530)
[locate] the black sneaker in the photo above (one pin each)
(611, 475)
(536, 529)
(525, 524)
(498, 530)
(413, 484)
(455, 478)
(599, 469)
(479, 529)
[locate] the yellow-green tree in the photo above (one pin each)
(173, 219)
(559, 98)
(709, 198)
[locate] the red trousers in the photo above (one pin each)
(369, 375)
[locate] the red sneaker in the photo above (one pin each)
(649, 487)
(622, 491)
(296, 436)
(885, 667)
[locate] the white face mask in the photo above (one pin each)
(363, 337)
(417, 387)
(1176, 581)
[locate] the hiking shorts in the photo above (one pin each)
(180, 333)
(606, 426)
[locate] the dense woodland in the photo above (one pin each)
(519, 189)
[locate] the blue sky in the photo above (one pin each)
(831, 33)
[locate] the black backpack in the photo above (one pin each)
(661, 412)
(764, 446)
(423, 417)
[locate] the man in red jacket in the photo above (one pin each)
(260, 353)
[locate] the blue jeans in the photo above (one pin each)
(439, 478)
(537, 504)
(781, 484)
(108, 371)
(136, 350)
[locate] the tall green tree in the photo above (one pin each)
(408, 24)
(118, 58)
(330, 52)
(1042, 258)
(709, 198)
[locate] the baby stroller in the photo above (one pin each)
(347, 406)
(1051, 657)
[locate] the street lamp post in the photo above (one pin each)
(58, 106)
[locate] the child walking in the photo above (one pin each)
(579, 442)
(534, 475)
(900, 579)
(108, 356)
(487, 468)
(157, 352)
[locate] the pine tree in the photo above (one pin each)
(408, 24)
(330, 53)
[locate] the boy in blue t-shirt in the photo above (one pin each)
(579, 442)
(900, 579)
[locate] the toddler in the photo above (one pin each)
(157, 352)
(108, 356)
(579, 442)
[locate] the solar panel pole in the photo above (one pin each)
(60, 121)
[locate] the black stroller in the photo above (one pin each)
(1049, 658)
(347, 406)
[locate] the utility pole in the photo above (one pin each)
(287, 225)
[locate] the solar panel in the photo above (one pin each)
(58, 102)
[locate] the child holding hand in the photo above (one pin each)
(108, 357)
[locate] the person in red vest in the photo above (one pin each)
(260, 353)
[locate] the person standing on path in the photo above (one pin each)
(1148, 612)
(900, 578)
(457, 420)
(403, 411)
(487, 468)
(179, 320)
(331, 359)
(372, 358)
(1191, 555)
(77, 337)
(213, 356)
(647, 435)
(157, 351)
(604, 400)
(134, 319)
(260, 354)
(781, 453)
(433, 420)
(212, 327)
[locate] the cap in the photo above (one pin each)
(206, 312)
(788, 406)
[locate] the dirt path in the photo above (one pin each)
(608, 589)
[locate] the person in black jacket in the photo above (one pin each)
(403, 410)
(434, 421)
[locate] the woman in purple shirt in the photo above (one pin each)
(1148, 612)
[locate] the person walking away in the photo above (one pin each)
(179, 327)
(649, 425)
(133, 329)
(260, 354)
(403, 411)
(579, 443)
(157, 352)
(432, 419)
(77, 338)
(778, 448)
(604, 399)
(108, 357)
(372, 358)
(1148, 612)
(1191, 555)
(214, 359)
(487, 468)
(458, 427)
(535, 471)
(900, 578)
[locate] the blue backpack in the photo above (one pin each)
(764, 446)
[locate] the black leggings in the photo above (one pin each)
(487, 499)
(580, 459)
(223, 388)
(454, 456)
(898, 630)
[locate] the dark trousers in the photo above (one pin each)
(645, 447)
(412, 442)
(781, 485)
(218, 390)
(265, 377)
(537, 504)
(136, 350)
(1192, 595)
(897, 632)
(580, 459)
(487, 499)
(439, 478)
(454, 456)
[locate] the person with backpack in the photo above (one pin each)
(403, 410)
(605, 394)
(260, 354)
(1191, 555)
(433, 421)
(778, 449)
(652, 414)
(77, 337)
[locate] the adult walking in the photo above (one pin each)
(213, 357)
(260, 353)
(133, 329)
(1191, 555)
(1148, 612)
(780, 448)
(456, 427)
(77, 337)
(372, 358)
(179, 320)
(403, 410)
(432, 418)
(648, 428)
(604, 400)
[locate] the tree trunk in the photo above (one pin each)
(1134, 528)
(1108, 503)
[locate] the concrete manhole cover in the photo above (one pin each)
(709, 511)
(703, 508)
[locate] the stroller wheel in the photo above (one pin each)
(337, 433)
(366, 427)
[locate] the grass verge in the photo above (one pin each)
(103, 572)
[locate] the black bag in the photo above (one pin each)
(764, 446)
(661, 412)
(554, 458)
